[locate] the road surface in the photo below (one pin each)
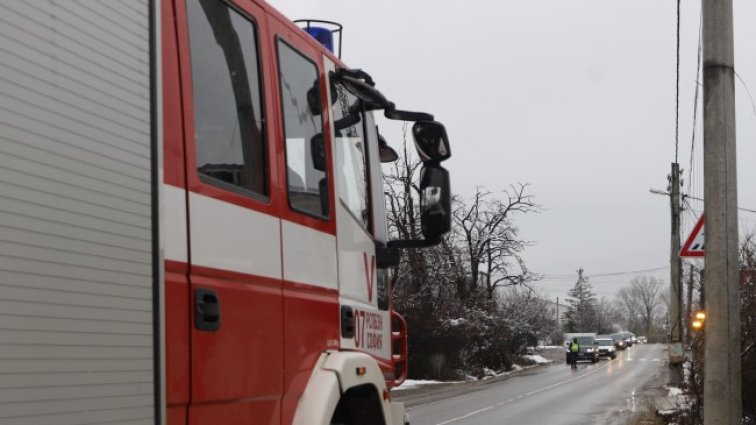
(553, 395)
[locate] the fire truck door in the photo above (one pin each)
(308, 224)
(234, 230)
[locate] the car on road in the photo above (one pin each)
(589, 350)
(619, 341)
(628, 337)
(606, 347)
(642, 340)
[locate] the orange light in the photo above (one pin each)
(361, 371)
(697, 324)
(701, 315)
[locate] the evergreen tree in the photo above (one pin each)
(582, 312)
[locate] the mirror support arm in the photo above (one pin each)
(412, 243)
(386, 257)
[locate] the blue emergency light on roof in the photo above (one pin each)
(323, 32)
(323, 35)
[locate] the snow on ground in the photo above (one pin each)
(417, 383)
(535, 358)
(457, 322)
(410, 384)
(675, 401)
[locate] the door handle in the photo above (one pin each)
(207, 313)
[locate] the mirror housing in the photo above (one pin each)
(431, 141)
(435, 208)
(435, 202)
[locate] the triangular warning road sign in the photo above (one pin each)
(694, 245)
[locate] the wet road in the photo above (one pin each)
(552, 395)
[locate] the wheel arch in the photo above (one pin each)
(343, 384)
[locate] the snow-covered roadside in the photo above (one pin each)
(411, 384)
(535, 358)
(675, 402)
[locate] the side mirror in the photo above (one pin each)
(435, 208)
(435, 202)
(431, 141)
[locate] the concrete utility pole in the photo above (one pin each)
(557, 311)
(722, 380)
(675, 266)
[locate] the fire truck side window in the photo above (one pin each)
(228, 115)
(351, 155)
(307, 184)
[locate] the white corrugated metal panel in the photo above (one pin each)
(76, 248)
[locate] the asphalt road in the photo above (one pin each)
(553, 395)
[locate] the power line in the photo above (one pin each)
(686, 197)
(753, 106)
(701, 199)
(695, 105)
(606, 274)
(677, 85)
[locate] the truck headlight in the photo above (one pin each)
(589, 350)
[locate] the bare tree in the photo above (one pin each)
(642, 303)
(608, 318)
(449, 302)
(748, 323)
(491, 240)
(628, 306)
(646, 290)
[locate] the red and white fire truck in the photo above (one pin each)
(192, 225)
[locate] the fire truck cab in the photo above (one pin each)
(192, 220)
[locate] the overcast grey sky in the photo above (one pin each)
(576, 98)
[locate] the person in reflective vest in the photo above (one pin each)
(574, 350)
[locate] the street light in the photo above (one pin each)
(699, 321)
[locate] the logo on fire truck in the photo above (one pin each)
(369, 274)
